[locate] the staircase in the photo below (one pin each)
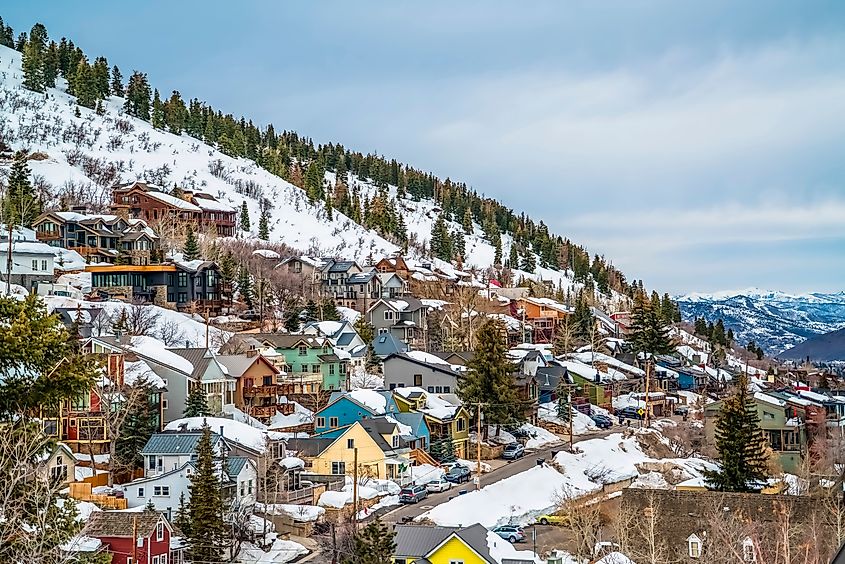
(419, 456)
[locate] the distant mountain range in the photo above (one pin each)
(776, 321)
(821, 348)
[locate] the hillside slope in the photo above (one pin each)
(81, 152)
(820, 348)
(774, 320)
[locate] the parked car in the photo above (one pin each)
(513, 451)
(439, 485)
(553, 520)
(518, 432)
(249, 315)
(602, 421)
(511, 533)
(412, 494)
(682, 410)
(629, 412)
(458, 474)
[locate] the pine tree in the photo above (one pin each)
(32, 66)
(741, 444)
(138, 94)
(372, 545)
(330, 311)
(459, 244)
(100, 77)
(150, 507)
(529, 262)
(583, 321)
(443, 450)
(182, 518)
(21, 205)
(228, 273)
(245, 286)
(648, 334)
(329, 207)
(513, 257)
(85, 85)
(196, 404)
(440, 243)
(467, 222)
(489, 379)
(205, 509)
(191, 250)
(364, 329)
(244, 217)
(137, 428)
(718, 335)
(157, 118)
(116, 82)
(290, 317)
(264, 226)
(50, 65)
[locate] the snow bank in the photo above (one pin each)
(292, 462)
(500, 549)
(581, 423)
(425, 473)
(301, 513)
(280, 552)
(539, 437)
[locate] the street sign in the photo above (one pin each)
(641, 412)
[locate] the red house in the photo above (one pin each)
(118, 532)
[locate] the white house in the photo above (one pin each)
(32, 262)
(165, 490)
(169, 451)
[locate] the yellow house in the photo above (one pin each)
(445, 417)
(441, 545)
(378, 453)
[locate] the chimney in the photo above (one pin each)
(187, 344)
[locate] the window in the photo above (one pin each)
(303, 350)
(59, 471)
(748, 554)
(183, 297)
(243, 489)
(129, 560)
(395, 441)
(321, 422)
(350, 443)
(456, 562)
(694, 546)
(338, 468)
(155, 560)
(182, 277)
(461, 424)
(164, 404)
(141, 491)
(430, 389)
(767, 415)
(393, 386)
(388, 315)
(447, 389)
(44, 265)
(418, 380)
(162, 559)
(34, 264)
(331, 369)
(332, 422)
(382, 331)
(249, 487)
(315, 368)
(161, 491)
(160, 531)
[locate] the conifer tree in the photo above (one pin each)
(290, 317)
(50, 65)
(137, 428)
(440, 244)
(583, 321)
(245, 286)
(85, 85)
(329, 207)
(196, 404)
(490, 378)
(244, 217)
(648, 334)
(191, 250)
(459, 244)
(157, 117)
(330, 312)
(228, 273)
(467, 222)
(372, 545)
(138, 93)
(264, 226)
(529, 262)
(741, 444)
(21, 204)
(182, 518)
(116, 82)
(205, 509)
(100, 77)
(31, 64)
(513, 256)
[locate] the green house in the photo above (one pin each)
(309, 360)
(782, 421)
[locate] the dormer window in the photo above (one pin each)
(303, 350)
(694, 546)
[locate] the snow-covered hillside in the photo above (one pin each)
(80, 152)
(775, 321)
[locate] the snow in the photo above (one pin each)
(290, 462)
(429, 358)
(98, 458)
(82, 543)
(242, 433)
(372, 400)
(300, 416)
(386, 501)
(581, 423)
(349, 314)
(404, 430)
(155, 349)
(769, 399)
(238, 415)
(435, 405)
(588, 372)
(280, 552)
(587, 357)
(266, 253)
(615, 558)
(213, 205)
(425, 473)
(138, 371)
(300, 513)
(365, 380)
(84, 509)
(539, 437)
(500, 549)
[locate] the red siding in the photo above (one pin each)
(121, 548)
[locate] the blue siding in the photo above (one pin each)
(347, 412)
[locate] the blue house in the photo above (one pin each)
(345, 408)
(690, 378)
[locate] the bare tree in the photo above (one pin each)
(583, 517)
(170, 333)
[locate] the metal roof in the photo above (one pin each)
(175, 443)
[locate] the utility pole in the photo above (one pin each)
(571, 417)
(647, 400)
(135, 538)
(478, 446)
(9, 257)
(207, 328)
(355, 489)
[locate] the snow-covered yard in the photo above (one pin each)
(581, 423)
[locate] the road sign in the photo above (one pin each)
(641, 412)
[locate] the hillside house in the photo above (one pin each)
(183, 286)
(543, 314)
(308, 362)
(219, 386)
(140, 200)
(58, 464)
(386, 344)
(394, 264)
(99, 238)
(405, 319)
(133, 538)
(406, 370)
(32, 263)
(442, 545)
(345, 408)
(257, 392)
(447, 420)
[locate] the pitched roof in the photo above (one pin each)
(198, 357)
(436, 367)
(237, 364)
(386, 345)
(421, 540)
(119, 524)
(234, 465)
(309, 447)
(175, 443)
(289, 341)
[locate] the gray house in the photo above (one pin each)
(405, 318)
(404, 371)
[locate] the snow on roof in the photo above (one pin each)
(615, 558)
(589, 372)
(213, 205)
(300, 416)
(349, 314)
(266, 253)
(82, 543)
(173, 201)
(810, 395)
(511, 323)
(434, 304)
(292, 462)
(301, 513)
(404, 430)
(769, 399)
(156, 350)
(328, 328)
(435, 405)
(587, 357)
(29, 248)
(139, 370)
(190, 264)
(372, 400)
(398, 305)
(232, 430)
(428, 358)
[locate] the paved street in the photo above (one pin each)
(506, 471)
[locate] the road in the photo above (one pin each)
(406, 512)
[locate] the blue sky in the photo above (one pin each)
(697, 145)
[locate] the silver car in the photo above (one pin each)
(438, 485)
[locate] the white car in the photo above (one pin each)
(439, 485)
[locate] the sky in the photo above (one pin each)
(697, 145)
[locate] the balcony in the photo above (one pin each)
(261, 391)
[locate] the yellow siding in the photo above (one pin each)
(455, 550)
(370, 456)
